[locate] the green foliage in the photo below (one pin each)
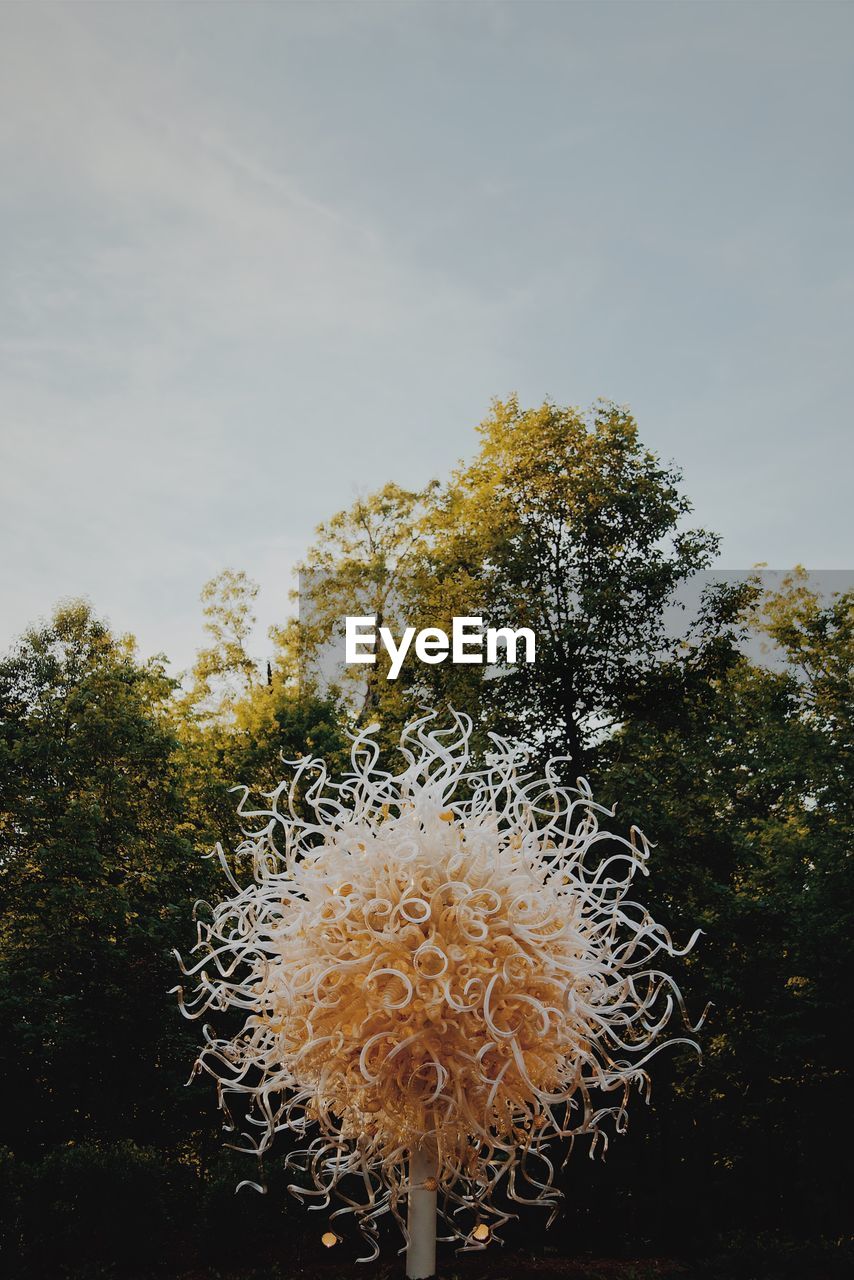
(734, 772)
(223, 670)
(367, 561)
(114, 780)
(563, 522)
(566, 523)
(77, 1182)
(96, 878)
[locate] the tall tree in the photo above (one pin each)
(364, 562)
(224, 669)
(742, 776)
(564, 522)
(96, 881)
(222, 677)
(234, 726)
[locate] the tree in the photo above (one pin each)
(364, 562)
(818, 643)
(96, 882)
(234, 728)
(223, 670)
(742, 776)
(566, 523)
(563, 522)
(222, 675)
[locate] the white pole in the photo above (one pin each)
(421, 1224)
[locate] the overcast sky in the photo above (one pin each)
(259, 258)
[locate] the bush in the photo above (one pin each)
(94, 1204)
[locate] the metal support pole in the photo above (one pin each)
(421, 1223)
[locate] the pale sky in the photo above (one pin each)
(256, 259)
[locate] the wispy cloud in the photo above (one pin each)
(255, 258)
(156, 262)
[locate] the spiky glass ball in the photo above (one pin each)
(446, 957)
